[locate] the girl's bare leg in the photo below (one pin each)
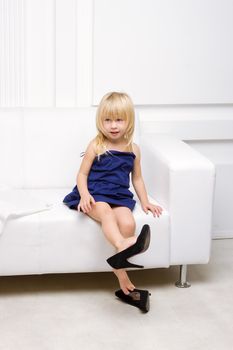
(118, 225)
(126, 224)
(103, 213)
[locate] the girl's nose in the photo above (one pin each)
(113, 124)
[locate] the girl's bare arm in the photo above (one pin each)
(81, 179)
(139, 186)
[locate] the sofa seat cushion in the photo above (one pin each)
(63, 240)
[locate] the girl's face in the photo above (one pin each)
(114, 129)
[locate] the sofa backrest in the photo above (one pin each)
(40, 147)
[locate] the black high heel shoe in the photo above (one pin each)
(119, 260)
(138, 298)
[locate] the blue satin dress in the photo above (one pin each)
(108, 180)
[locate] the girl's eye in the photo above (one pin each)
(107, 120)
(119, 120)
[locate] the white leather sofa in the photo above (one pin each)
(40, 155)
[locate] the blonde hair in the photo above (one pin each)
(115, 105)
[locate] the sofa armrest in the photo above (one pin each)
(182, 180)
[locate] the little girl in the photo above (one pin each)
(102, 190)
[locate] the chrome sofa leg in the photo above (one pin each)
(182, 282)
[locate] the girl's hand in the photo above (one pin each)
(155, 209)
(86, 203)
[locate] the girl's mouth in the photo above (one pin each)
(114, 133)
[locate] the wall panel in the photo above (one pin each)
(65, 53)
(12, 53)
(84, 57)
(39, 53)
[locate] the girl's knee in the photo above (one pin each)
(128, 226)
(105, 211)
(100, 211)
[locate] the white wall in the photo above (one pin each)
(174, 57)
(164, 52)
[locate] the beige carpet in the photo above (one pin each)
(80, 311)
